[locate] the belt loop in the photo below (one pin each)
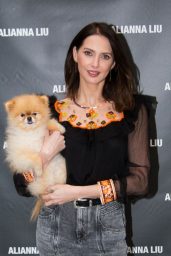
(90, 202)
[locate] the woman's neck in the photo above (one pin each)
(89, 96)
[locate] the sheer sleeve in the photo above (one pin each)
(136, 183)
(138, 154)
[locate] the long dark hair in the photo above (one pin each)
(122, 82)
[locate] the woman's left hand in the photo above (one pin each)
(60, 194)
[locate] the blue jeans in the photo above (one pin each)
(65, 230)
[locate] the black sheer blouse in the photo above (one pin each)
(118, 151)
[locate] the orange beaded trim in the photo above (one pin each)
(28, 176)
(107, 191)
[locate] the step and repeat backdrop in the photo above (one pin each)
(34, 39)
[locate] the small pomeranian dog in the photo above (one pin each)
(28, 120)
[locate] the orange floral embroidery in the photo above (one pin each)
(64, 114)
(91, 114)
(103, 122)
(79, 123)
(60, 104)
(72, 118)
(90, 119)
(91, 125)
(110, 115)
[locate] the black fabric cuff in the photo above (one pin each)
(21, 185)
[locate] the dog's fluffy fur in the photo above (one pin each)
(28, 120)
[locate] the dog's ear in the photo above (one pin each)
(9, 105)
(44, 99)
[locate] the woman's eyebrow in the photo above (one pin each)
(89, 49)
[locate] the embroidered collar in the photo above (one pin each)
(87, 118)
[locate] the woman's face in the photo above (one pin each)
(95, 59)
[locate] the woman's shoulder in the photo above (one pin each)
(61, 105)
(56, 105)
(139, 103)
(140, 110)
(63, 108)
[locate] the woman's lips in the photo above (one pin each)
(93, 73)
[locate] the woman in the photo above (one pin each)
(106, 149)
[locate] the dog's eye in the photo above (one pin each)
(22, 115)
(34, 114)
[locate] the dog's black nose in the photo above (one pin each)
(29, 120)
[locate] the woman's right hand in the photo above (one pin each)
(52, 145)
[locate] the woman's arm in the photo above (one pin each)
(138, 153)
(53, 144)
(63, 193)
